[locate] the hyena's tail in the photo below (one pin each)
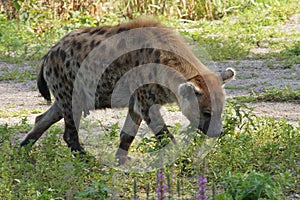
(41, 82)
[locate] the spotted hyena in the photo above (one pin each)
(140, 65)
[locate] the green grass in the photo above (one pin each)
(231, 37)
(50, 171)
(4, 113)
(17, 74)
(234, 36)
(273, 95)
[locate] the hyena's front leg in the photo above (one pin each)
(42, 123)
(129, 131)
(155, 122)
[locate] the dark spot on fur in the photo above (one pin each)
(121, 30)
(108, 34)
(51, 55)
(74, 43)
(62, 55)
(65, 93)
(115, 64)
(68, 64)
(127, 61)
(65, 78)
(165, 61)
(152, 96)
(60, 96)
(137, 63)
(66, 43)
(84, 41)
(157, 53)
(150, 50)
(72, 52)
(92, 44)
(70, 73)
(56, 71)
(55, 87)
(78, 65)
(78, 46)
(94, 31)
(97, 43)
(85, 55)
(101, 31)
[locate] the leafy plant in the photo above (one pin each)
(98, 191)
(252, 186)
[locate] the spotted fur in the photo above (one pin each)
(80, 56)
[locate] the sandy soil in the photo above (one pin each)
(252, 75)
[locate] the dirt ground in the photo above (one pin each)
(252, 75)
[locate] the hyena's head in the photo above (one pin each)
(202, 101)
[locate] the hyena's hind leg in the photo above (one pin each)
(42, 123)
(72, 121)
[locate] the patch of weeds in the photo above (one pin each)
(289, 55)
(6, 131)
(18, 75)
(273, 95)
(21, 113)
(294, 50)
(284, 64)
(236, 87)
(47, 171)
(246, 140)
(96, 191)
(221, 48)
(251, 186)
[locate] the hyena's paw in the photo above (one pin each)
(122, 157)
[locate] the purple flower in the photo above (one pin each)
(202, 188)
(162, 188)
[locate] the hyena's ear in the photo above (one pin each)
(188, 90)
(227, 75)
